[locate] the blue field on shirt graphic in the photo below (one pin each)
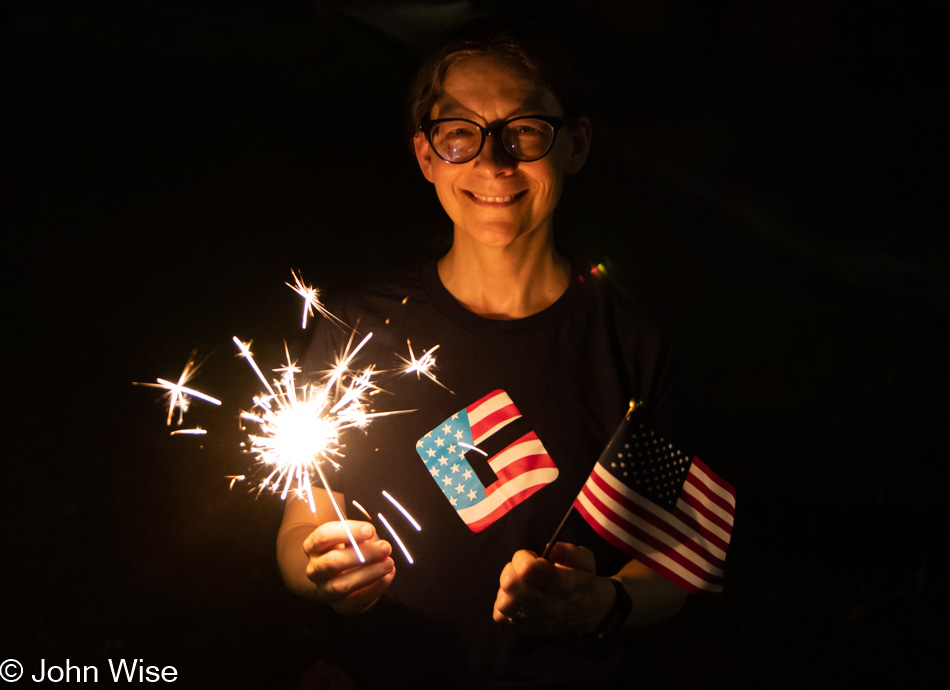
(522, 468)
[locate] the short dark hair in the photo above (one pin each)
(530, 48)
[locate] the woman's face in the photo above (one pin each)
(495, 200)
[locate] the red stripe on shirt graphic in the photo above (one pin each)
(522, 468)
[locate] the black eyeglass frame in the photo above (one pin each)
(556, 123)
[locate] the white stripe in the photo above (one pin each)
(510, 488)
(714, 486)
(688, 549)
(649, 506)
(515, 453)
(704, 522)
(496, 401)
(647, 551)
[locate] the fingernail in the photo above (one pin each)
(366, 531)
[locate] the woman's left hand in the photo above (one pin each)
(562, 594)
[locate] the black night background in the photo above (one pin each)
(768, 172)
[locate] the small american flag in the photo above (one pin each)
(522, 468)
(654, 503)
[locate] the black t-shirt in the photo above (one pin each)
(538, 398)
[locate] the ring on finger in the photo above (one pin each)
(519, 616)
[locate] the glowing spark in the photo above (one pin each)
(402, 546)
(462, 444)
(245, 352)
(423, 366)
(234, 478)
(178, 395)
(197, 431)
(362, 509)
(403, 511)
(311, 300)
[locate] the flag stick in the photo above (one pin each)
(550, 545)
(557, 532)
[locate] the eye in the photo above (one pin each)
(526, 130)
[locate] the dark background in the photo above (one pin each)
(768, 172)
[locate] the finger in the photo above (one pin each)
(343, 558)
(361, 599)
(515, 595)
(574, 557)
(533, 571)
(330, 535)
(335, 585)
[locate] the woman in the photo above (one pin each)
(549, 358)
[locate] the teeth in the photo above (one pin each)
(492, 199)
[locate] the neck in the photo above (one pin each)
(504, 282)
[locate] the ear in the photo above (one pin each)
(423, 155)
(580, 145)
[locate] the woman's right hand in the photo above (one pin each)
(342, 581)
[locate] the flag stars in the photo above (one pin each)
(456, 468)
(459, 435)
(440, 442)
(467, 474)
(447, 480)
(431, 452)
(472, 495)
(434, 471)
(460, 487)
(446, 430)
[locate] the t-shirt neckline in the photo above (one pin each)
(446, 303)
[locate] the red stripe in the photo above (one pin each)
(671, 575)
(702, 495)
(519, 467)
(637, 531)
(646, 517)
(703, 510)
(502, 415)
(694, 524)
(715, 480)
(504, 507)
(478, 403)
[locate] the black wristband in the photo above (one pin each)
(614, 621)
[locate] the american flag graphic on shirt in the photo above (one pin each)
(522, 468)
(655, 504)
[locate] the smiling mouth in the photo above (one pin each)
(496, 200)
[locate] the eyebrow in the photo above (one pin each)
(453, 107)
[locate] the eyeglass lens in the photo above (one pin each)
(524, 139)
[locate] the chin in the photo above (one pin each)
(498, 237)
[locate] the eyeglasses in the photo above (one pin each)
(526, 138)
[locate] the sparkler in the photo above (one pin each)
(178, 394)
(299, 426)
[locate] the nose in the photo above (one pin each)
(492, 159)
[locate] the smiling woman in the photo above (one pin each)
(501, 203)
(537, 361)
